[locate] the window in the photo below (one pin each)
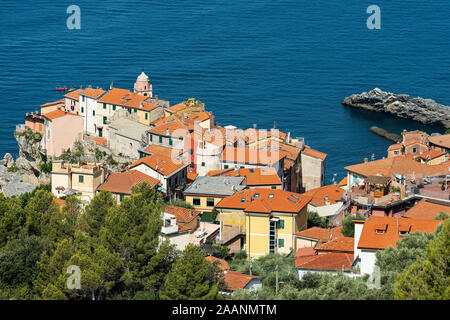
(151, 137)
(82, 109)
(81, 178)
(104, 120)
(146, 116)
(93, 112)
(104, 106)
(170, 141)
(191, 152)
(225, 166)
(273, 187)
(196, 201)
(281, 224)
(210, 202)
(280, 243)
(114, 107)
(203, 164)
(82, 98)
(192, 165)
(160, 139)
(242, 167)
(121, 197)
(414, 150)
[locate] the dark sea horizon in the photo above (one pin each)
(251, 62)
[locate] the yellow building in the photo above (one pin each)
(206, 192)
(269, 218)
(80, 178)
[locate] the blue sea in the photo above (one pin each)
(285, 62)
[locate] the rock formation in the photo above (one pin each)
(401, 105)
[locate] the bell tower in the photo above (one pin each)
(142, 85)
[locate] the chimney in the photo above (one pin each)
(140, 104)
(366, 160)
(167, 131)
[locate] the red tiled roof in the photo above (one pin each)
(428, 209)
(177, 107)
(265, 200)
(334, 193)
(431, 154)
(123, 182)
(304, 252)
(326, 261)
(341, 244)
(320, 234)
(343, 182)
(99, 141)
(183, 215)
(160, 150)
(236, 280)
(314, 153)
(396, 146)
(74, 95)
(92, 93)
(254, 176)
(58, 114)
(126, 98)
(164, 165)
(369, 238)
(442, 140)
(221, 263)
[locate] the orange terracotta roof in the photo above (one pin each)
(177, 107)
(442, 140)
(58, 114)
(390, 235)
(52, 103)
(236, 280)
(414, 141)
(160, 150)
(191, 175)
(254, 135)
(341, 244)
(314, 153)
(343, 182)
(221, 263)
(250, 156)
(320, 234)
(396, 146)
(175, 128)
(428, 209)
(431, 154)
(123, 182)
(326, 261)
(254, 176)
(164, 165)
(200, 116)
(183, 215)
(74, 95)
(126, 98)
(334, 193)
(99, 141)
(304, 252)
(60, 202)
(92, 93)
(265, 201)
(397, 165)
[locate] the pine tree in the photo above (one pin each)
(191, 278)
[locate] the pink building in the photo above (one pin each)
(61, 130)
(72, 101)
(142, 85)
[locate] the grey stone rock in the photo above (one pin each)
(8, 160)
(401, 105)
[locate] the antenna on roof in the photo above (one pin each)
(111, 85)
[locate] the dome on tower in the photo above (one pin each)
(142, 77)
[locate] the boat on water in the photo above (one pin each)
(61, 89)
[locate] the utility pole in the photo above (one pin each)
(250, 265)
(276, 279)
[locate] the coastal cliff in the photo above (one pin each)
(401, 105)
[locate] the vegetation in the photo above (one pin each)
(180, 203)
(13, 168)
(348, 226)
(314, 220)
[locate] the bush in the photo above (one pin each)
(13, 168)
(180, 203)
(348, 226)
(314, 220)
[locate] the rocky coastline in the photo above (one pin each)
(426, 111)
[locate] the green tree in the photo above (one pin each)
(95, 212)
(348, 226)
(428, 277)
(191, 277)
(12, 218)
(314, 220)
(441, 216)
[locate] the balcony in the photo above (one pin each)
(169, 229)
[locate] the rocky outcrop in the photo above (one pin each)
(383, 133)
(401, 105)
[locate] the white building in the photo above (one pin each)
(88, 108)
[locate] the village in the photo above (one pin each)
(249, 190)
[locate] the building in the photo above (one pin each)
(432, 157)
(82, 179)
(185, 108)
(61, 130)
(125, 136)
(142, 86)
(35, 122)
(51, 106)
(170, 133)
(330, 262)
(120, 184)
(315, 235)
(188, 218)
(222, 264)
(206, 192)
(313, 168)
(327, 201)
(171, 230)
(172, 174)
(237, 280)
(72, 101)
(254, 177)
(440, 142)
(269, 218)
(89, 98)
(378, 233)
(428, 209)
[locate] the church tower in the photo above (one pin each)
(142, 85)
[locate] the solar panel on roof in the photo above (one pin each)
(291, 200)
(295, 197)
